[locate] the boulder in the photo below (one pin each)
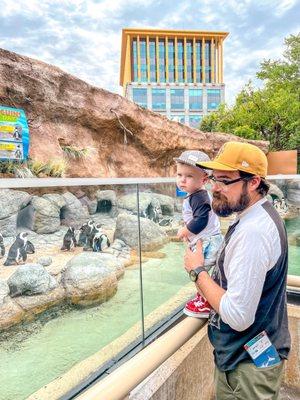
(149, 205)
(46, 216)
(56, 199)
(167, 203)
(107, 200)
(45, 261)
(30, 279)
(90, 278)
(73, 213)
(293, 192)
(11, 202)
(152, 235)
(11, 313)
(275, 191)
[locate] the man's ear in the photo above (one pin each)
(254, 183)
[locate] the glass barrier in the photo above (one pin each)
(102, 269)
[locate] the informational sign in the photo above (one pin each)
(14, 134)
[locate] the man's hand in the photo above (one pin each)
(194, 259)
(183, 234)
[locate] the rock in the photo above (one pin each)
(4, 291)
(73, 213)
(152, 235)
(148, 203)
(11, 202)
(107, 202)
(45, 261)
(274, 191)
(30, 279)
(39, 303)
(11, 314)
(293, 192)
(65, 109)
(167, 203)
(46, 216)
(89, 278)
(56, 199)
(90, 204)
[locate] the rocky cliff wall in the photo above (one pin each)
(123, 138)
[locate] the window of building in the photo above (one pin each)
(171, 60)
(189, 60)
(152, 54)
(180, 60)
(198, 61)
(213, 98)
(162, 60)
(135, 61)
(143, 59)
(158, 99)
(194, 120)
(195, 99)
(139, 96)
(177, 99)
(178, 118)
(208, 61)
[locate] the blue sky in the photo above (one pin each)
(83, 37)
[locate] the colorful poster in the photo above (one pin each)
(14, 134)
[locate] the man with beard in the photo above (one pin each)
(247, 289)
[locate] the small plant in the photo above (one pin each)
(57, 167)
(7, 167)
(75, 152)
(37, 167)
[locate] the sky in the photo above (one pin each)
(83, 37)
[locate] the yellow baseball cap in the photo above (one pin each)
(238, 156)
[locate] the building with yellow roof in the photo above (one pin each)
(176, 73)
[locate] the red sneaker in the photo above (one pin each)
(198, 307)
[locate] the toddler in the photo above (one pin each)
(201, 223)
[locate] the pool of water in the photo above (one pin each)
(292, 226)
(74, 336)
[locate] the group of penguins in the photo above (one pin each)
(18, 250)
(91, 238)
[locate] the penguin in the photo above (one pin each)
(83, 233)
(17, 252)
(2, 248)
(69, 241)
(100, 242)
(90, 231)
(29, 247)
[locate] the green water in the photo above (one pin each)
(292, 226)
(66, 340)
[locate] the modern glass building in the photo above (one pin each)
(176, 73)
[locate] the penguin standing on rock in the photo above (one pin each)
(69, 241)
(17, 252)
(2, 248)
(100, 241)
(29, 247)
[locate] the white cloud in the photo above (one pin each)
(83, 37)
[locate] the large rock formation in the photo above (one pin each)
(125, 139)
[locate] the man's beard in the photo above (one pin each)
(223, 208)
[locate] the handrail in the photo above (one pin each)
(50, 182)
(293, 281)
(124, 379)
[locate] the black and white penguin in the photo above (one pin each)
(89, 233)
(29, 247)
(2, 248)
(100, 242)
(17, 252)
(69, 241)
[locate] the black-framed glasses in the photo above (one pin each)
(223, 182)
